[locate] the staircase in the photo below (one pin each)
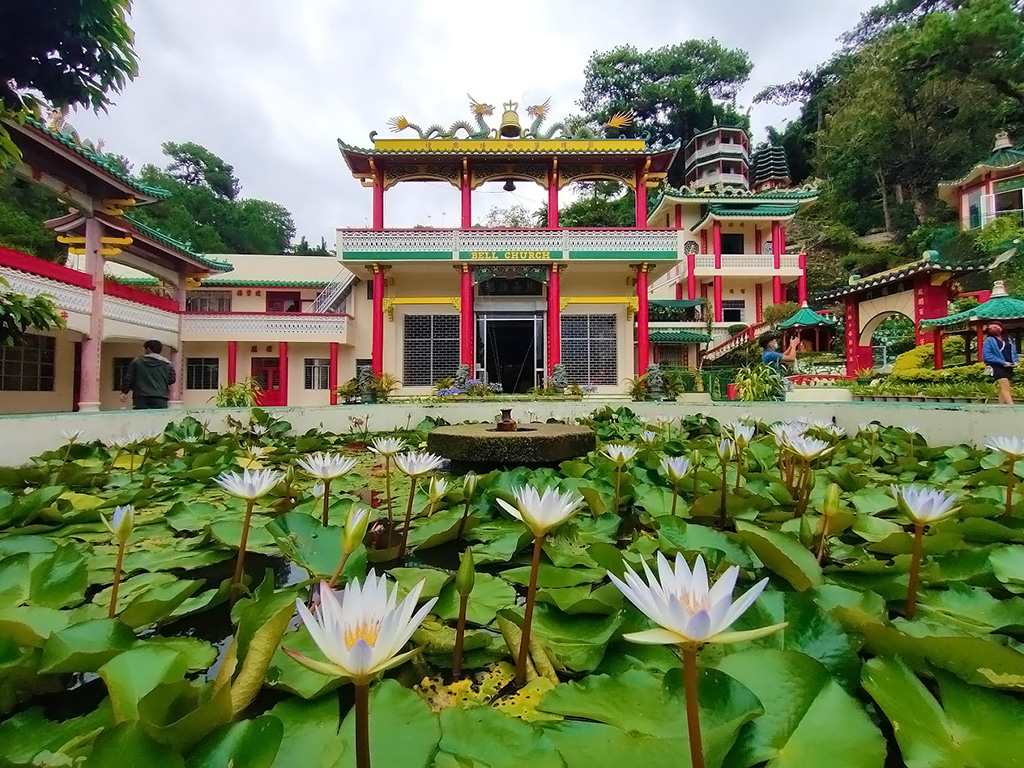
(334, 291)
(733, 343)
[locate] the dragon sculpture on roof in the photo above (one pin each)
(569, 130)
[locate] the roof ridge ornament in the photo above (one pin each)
(1002, 141)
(998, 290)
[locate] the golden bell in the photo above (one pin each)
(510, 127)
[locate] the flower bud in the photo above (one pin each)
(831, 506)
(725, 449)
(355, 529)
(437, 489)
(469, 484)
(121, 523)
(466, 576)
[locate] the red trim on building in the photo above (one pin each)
(643, 338)
(466, 321)
(758, 303)
(332, 376)
(232, 362)
(43, 268)
(128, 293)
(554, 318)
(282, 357)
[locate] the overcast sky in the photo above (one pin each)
(270, 85)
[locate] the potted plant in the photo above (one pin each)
(241, 394)
(864, 375)
(384, 386)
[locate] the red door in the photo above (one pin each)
(267, 371)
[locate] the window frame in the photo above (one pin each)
(314, 367)
(40, 372)
(590, 372)
(192, 364)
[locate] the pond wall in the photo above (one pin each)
(26, 435)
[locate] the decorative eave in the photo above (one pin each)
(96, 175)
(241, 282)
(802, 197)
(1004, 159)
(692, 162)
(931, 261)
(715, 128)
(732, 212)
(678, 336)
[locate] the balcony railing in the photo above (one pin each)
(736, 150)
(67, 297)
(704, 263)
(713, 178)
(502, 244)
(264, 326)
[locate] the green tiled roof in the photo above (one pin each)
(238, 282)
(679, 336)
(752, 210)
(932, 261)
(806, 317)
(503, 152)
(999, 308)
(184, 249)
(132, 280)
(769, 163)
(999, 160)
(725, 194)
(102, 162)
(677, 303)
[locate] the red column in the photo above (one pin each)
(553, 194)
(467, 356)
(378, 197)
(937, 354)
(758, 241)
(282, 362)
(782, 240)
(930, 301)
(758, 303)
(678, 217)
(718, 298)
(232, 362)
(980, 340)
(679, 291)
(554, 318)
(332, 375)
(777, 291)
(641, 200)
(643, 329)
(377, 338)
(177, 356)
(691, 278)
(703, 241)
(801, 286)
(856, 355)
(716, 243)
(467, 196)
(92, 346)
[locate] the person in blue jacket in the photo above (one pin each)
(1000, 355)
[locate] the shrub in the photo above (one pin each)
(241, 394)
(732, 330)
(776, 313)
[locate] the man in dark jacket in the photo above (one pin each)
(149, 378)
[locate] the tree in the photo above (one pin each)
(603, 204)
(66, 53)
(883, 17)
(303, 248)
(197, 166)
(24, 206)
(516, 217)
(19, 313)
(671, 90)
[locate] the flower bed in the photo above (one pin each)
(856, 609)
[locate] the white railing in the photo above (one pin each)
(744, 337)
(329, 295)
(133, 313)
(754, 262)
(69, 298)
(737, 150)
(246, 326)
(482, 240)
(713, 178)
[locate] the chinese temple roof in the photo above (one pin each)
(731, 196)
(768, 163)
(1001, 306)
(806, 317)
(678, 336)
(757, 210)
(1004, 157)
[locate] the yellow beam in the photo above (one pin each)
(632, 302)
(389, 303)
(70, 239)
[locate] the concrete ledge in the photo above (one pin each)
(819, 395)
(26, 435)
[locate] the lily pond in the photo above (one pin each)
(889, 632)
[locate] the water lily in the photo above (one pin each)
(415, 465)
(725, 449)
(465, 579)
(362, 635)
(690, 612)
(318, 490)
(387, 448)
(120, 525)
(436, 490)
(352, 536)
(923, 506)
(258, 429)
(648, 437)
(1013, 449)
(620, 455)
(249, 486)
(807, 448)
(71, 435)
(469, 483)
(541, 512)
(327, 467)
(676, 468)
(741, 433)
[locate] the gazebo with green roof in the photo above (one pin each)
(806, 318)
(1007, 310)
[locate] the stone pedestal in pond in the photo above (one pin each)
(481, 447)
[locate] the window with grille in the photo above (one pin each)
(670, 354)
(369, 290)
(29, 365)
(590, 349)
(734, 311)
(430, 349)
(318, 373)
(208, 301)
(202, 373)
(120, 371)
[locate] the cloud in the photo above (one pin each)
(270, 86)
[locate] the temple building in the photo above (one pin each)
(510, 304)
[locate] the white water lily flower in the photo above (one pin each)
(318, 490)
(1010, 447)
(363, 633)
(807, 448)
(783, 432)
(71, 435)
(687, 609)
(648, 437)
(327, 466)
(676, 467)
(835, 430)
(257, 451)
(121, 522)
(417, 464)
(924, 505)
(387, 446)
(620, 454)
(869, 427)
(145, 437)
(542, 511)
(725, 450)
(437, 489)
(913, 429)
(258, 429)
(741, 433)
(249, 485)
(120, 442)
(665, 423)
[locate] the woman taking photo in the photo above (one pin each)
(1000, 355)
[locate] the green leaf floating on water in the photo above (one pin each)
(250, 743)
(305, 542)
(481, 736)
(782, 554)
(490, 594)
